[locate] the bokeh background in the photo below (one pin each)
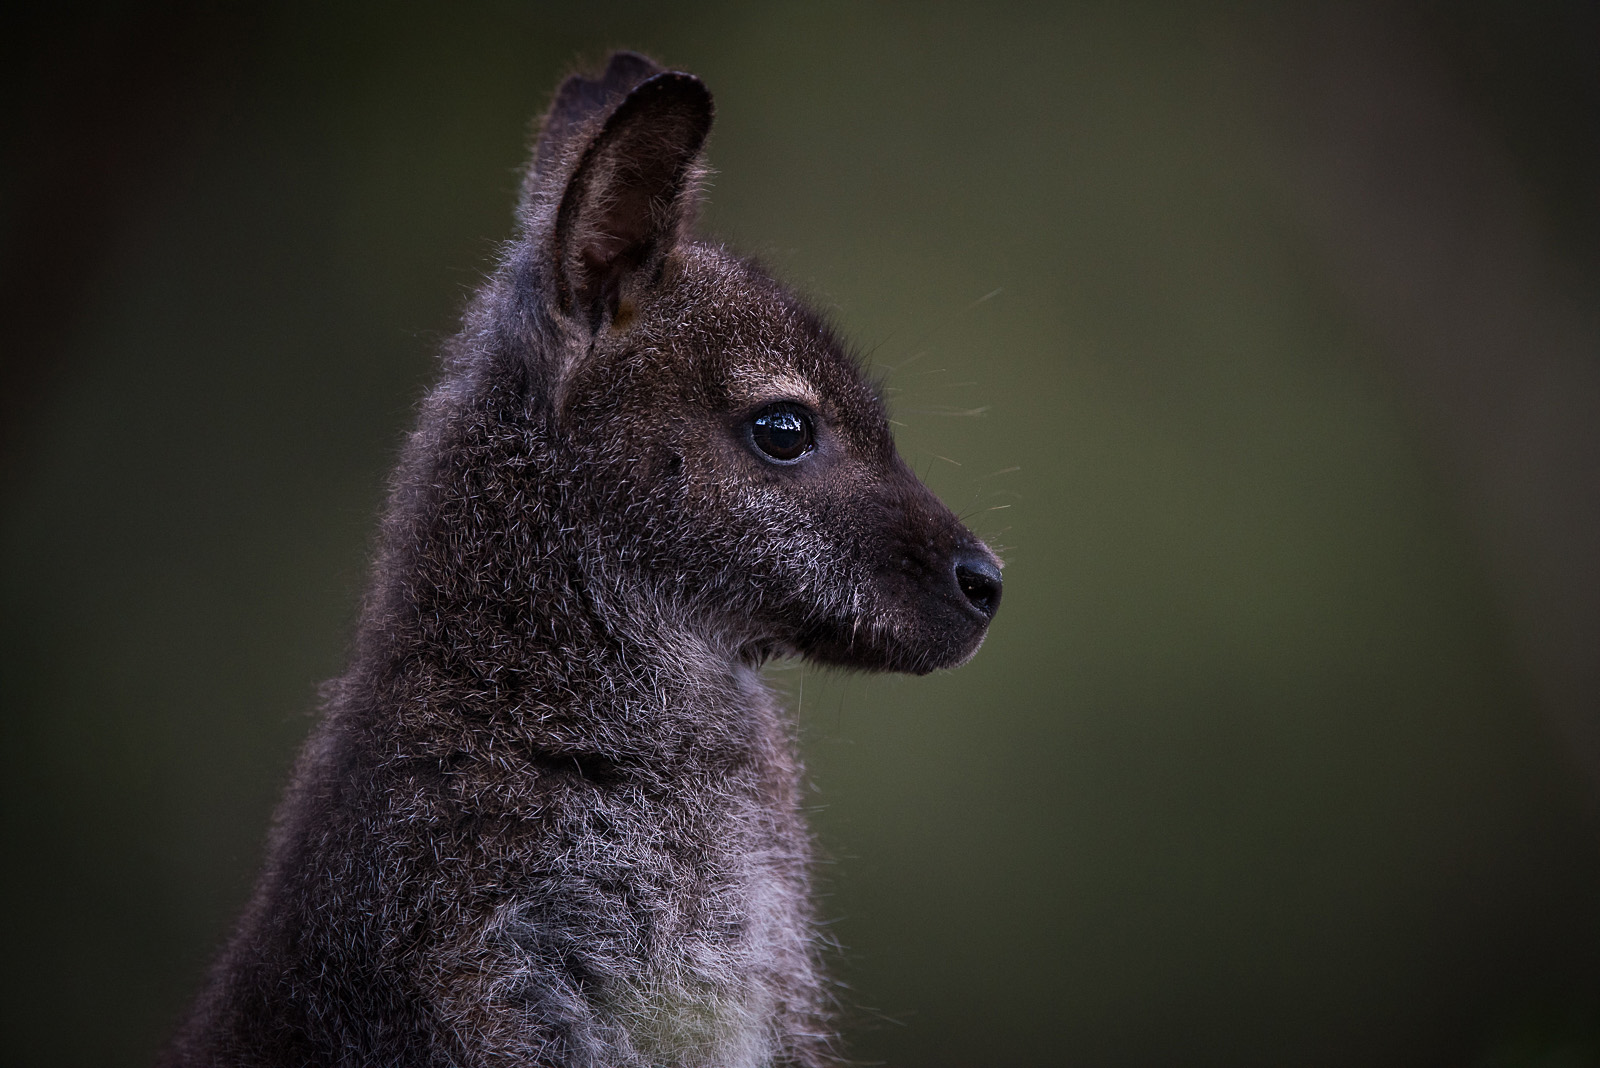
(1265, 341)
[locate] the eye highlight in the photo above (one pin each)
(782, 432)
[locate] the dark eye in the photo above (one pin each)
(783, 432)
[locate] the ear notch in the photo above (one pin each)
(627, 199)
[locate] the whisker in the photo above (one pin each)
(907, 362)
(984, 299)
(958, 412)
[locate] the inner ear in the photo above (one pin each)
(626, 201)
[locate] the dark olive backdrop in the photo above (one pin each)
(1264, 342)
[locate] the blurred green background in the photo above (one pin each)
(1264, 341)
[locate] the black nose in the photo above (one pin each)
(979, 580)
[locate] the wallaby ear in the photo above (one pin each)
(580, 99)
(625, 203)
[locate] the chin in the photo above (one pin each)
(932, 641)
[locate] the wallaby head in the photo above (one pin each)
(734, 461)
(551, 814)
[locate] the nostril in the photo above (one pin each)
(979, 580)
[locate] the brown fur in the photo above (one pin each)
(550, 815)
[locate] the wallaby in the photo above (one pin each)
(550, 815)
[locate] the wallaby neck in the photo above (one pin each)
(488, 615)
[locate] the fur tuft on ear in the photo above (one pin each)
(627, 197)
